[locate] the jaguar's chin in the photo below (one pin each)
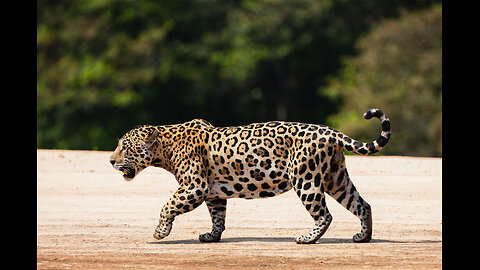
(128, 173)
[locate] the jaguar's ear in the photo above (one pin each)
(151, 139)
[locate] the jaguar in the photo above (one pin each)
(261, 160)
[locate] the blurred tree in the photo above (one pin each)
(399, 70)
(104, 66)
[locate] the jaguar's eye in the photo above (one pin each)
(122, 148)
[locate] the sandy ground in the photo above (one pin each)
(88, 217)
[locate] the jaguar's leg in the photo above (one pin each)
(218, 210)
(184, 200)
(313, 199)
(341, 188)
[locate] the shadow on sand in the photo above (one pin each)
(289, 240)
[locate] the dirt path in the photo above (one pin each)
(88, 217)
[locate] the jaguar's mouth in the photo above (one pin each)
(128, 173)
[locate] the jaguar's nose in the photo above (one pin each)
(112, 161)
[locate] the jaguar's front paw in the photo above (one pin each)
(362, 238)
(160, 233)
(209, 237)
(157, 235)
(305, 239)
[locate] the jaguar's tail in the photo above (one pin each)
(372, 147)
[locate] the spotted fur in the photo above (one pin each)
(212, 164)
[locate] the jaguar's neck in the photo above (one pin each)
(164, 148)
(173, 146)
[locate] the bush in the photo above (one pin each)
(398, 70)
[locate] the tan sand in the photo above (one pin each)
(88, 217)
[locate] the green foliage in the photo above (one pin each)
(105, 66)
(398, 69)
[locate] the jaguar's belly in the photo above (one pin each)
(249, 190)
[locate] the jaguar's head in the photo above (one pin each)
(135, 151)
